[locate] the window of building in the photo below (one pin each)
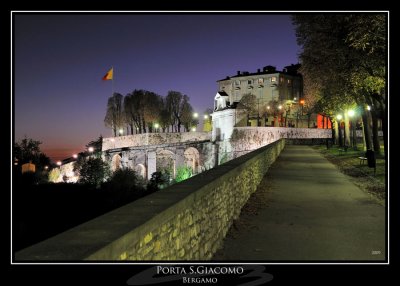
(288, 81)
(260, 81)
(281, 79)
(237, 82)
(249, 81)
(273, 79)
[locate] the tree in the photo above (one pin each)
(94, 171)
(248, 105)
(177, 103)
(188, 121)
(207, 123)
(343, 61)
(28, 150)
(115, 117)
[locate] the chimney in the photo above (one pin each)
(238, 72)
(258, 70)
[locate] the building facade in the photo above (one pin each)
(276, 97)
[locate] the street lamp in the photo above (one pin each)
(74, 156)
(58, 163)
(205, 116)
(351, 113)
(90, 149)
(121, 131)
(194, 129)
(195, 115)
(156, 125)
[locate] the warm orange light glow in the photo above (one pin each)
(302, 101)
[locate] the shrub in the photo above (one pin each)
(124, 179)
(159, 180)
(94, 171)
(54, 175)
(183, 173)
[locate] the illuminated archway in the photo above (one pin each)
(192, 159)
(140, 170)
(165, 162)
(116, 162)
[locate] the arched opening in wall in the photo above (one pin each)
(116, 162)
(140, 170)
(192, 159)
(165, 162)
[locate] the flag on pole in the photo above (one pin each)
(109, 74)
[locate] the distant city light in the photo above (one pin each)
(205, 116)
(351, 113)
(195, 115)
(339, 116)
(90, 149)
(75, 156)
(294, 98)
(46, 167)
(59, 163)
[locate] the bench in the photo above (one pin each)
(362, 160)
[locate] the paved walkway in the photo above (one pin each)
(312, 212)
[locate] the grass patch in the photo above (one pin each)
(361, 175)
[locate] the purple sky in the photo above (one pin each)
(60, 98)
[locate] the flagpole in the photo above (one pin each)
(112, 84)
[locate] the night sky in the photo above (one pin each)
(60, 98)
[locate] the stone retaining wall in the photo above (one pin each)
(187, 221)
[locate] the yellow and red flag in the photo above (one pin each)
(109, 74)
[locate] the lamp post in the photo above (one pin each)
(351, 114)
(339, 118)
(156, 126)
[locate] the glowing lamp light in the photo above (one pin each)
(121, 131)
(195, 115)
(339, 116)
(280, 106)
(46, 167)
(194, 129)
(302, 101)
(268, 107)
(75, 156)
(90, 149)
(351, 113)
(58, 163)
(368, 107)
(205, 116)
(156, 125)
(294, 98)
(112, 139)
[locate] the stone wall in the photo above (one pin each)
(187, 221)
(153, 139)
(246, 139)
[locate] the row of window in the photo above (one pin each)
(261, 80)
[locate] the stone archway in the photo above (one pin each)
(140, 170)
(192, 159)
(116, 162)
(165, 162)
